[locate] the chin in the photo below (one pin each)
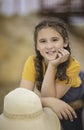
(52, 58)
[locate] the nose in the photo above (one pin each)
(49, 45)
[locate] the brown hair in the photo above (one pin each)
(60, 26)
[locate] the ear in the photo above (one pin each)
(66, 43)
(37, 47)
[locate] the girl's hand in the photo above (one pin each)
(62, 109)
(63, 55)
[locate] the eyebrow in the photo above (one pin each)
(55, 37)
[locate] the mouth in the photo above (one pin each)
(51, 52)
(51, 55)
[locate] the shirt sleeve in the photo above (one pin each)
(29, 69)
(73, 74)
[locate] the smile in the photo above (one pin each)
(50, 52)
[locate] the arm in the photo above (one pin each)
(27, 84)
(50, 87)
(64, 110)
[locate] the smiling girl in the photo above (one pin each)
(54, 72)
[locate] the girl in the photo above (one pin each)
(54, 72)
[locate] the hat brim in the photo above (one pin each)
(48, 120)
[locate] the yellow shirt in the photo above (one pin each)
(73, 70)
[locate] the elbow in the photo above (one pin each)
(59, 96)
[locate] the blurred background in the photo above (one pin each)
(17, 21)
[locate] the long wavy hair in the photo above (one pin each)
(60, 26)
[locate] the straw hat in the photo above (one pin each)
(23, 111)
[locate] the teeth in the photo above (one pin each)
(50, 52)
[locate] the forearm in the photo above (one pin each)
(44, 101)
(47, 101)
(48, 85)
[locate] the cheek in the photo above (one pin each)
(40, 47)
(59, 46)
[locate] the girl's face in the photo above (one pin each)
(49, 41)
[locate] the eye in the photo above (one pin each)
(42, 41)
(54, 39)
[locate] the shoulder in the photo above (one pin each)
(74, 65)
(29, 63)
(29, 69)
(30, 59)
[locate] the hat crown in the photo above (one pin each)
(22, 101)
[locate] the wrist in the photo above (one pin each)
(54, 67)
(46, 101)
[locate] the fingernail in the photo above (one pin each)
(71, 120)
(75, 116)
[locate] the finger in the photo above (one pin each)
(60, 116)
(61, 52)
(65, 115)
(65, 51)
(59, 55)
(72, 111)
(69, 114)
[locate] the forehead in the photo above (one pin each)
(48, 31)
